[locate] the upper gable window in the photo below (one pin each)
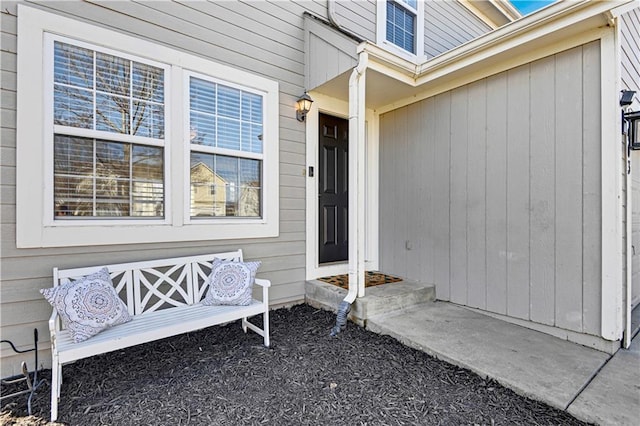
(401, 27)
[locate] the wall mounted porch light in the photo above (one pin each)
(633, 129)
(303, 106)
(630, 120)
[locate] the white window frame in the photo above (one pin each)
(35, 224)
(381, 30)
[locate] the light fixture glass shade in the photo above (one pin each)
(303, 106)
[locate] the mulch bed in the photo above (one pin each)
(222, 376)
(371, 278)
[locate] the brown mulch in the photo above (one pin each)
(221, 376)
(371, 278)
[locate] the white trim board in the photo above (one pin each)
(338, 108)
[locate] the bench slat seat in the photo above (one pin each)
(164, 299)
(152, 326)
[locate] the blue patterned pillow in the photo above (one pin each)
(87, 305)
(231, 283)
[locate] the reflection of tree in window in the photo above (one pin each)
(107, 94)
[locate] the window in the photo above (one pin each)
(225, 137)
(401, 27)
(119, 170)
(121, 140)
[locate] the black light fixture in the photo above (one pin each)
(630, 120)
(626, 98)
(303, 106)
(633, 129)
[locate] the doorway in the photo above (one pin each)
(333, 189)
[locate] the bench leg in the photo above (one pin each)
(265, 327)
(56, 379)
(244, 324)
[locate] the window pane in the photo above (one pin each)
(251, 107)
(73, 107)
(148, 83)
(112, 113)
(73, 65)
(228, 102)
(225, 186)
(250, 188)
(112, 74)
(202, 96)
(203, 129)
(228, 133)
(98, 178)
(148, 120)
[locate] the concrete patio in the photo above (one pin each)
(591, 385)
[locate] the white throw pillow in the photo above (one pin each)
(87, 305)
(231, 283)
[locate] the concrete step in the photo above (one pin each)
(378, 300)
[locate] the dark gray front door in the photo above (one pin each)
(333, 186)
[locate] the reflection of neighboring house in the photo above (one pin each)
(208, 192)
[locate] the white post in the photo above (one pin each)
(357, 83)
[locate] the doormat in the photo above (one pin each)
(371, 278)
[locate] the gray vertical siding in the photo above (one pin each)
(266, 38)
(513, 196)
(630, 40)
(448, 24)
(630, 73)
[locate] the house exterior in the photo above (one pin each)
(449, 142)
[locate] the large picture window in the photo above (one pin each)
(122, 140)
(119, 172)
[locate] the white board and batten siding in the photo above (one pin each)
(509, 221)
(265, 38)
(630, 80)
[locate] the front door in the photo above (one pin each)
(333, 186)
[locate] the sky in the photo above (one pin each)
(527, 6)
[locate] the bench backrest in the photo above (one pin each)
(151, 285)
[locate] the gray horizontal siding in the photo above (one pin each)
(492, 192)
(449, 24)
(265, 38)
(358, 17)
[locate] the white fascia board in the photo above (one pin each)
(621, 10)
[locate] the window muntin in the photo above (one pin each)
(119, 173)
(226, 143)
(401, 24)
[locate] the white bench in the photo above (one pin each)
(163, 297)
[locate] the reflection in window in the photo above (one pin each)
(225, 186)
(97, 178)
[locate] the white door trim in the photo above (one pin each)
(339, 108)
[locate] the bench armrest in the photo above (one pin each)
(54, 325)
(262, 282)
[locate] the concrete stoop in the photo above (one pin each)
(378, 300)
